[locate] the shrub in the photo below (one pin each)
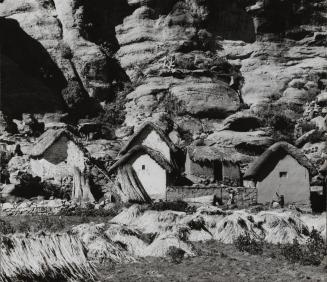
(245, 243)
(66, 52)
(76, 98)
(5, 227)
(280, 118)
(310, 253)
(90, 212)
(175, 254)
(174, 206)
(114, 112)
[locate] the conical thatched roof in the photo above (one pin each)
(142, 133)
(143, 150)
(269, 159)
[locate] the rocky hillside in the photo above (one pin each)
(226, 73)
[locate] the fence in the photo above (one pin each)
(243, 197)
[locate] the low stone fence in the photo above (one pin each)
(243, 196)
(45, 207)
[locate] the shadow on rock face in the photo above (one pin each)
(31, 81)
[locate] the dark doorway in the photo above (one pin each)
(218, 171)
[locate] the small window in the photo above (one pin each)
(143, 167)
(282, 174)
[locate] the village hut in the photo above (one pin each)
(151, 136)
(57, 155)
(281, 169)
(216, 163)
(143, 174)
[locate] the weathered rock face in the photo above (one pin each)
(192, 63)
(168, 50)
(55, 51)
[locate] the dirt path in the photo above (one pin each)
(217, 262)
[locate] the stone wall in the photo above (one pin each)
(244, 196)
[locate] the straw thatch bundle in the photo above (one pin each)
(131, 238)
(128, 215)
(225, 226)
(160, 246)
(229, 228)
(269, 159)
(282, 227)
(44, 258)
(100, 247)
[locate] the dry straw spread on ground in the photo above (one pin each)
(137, 232)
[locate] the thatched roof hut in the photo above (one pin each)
(268, 160)
(142, 133)
(140, 150)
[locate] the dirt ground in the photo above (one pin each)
(216, 262)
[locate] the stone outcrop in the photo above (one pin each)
(56, 51)
(197, 68)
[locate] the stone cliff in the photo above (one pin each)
(230, 73)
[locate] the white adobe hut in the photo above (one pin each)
(151, 136)
(217, 163)
(143, 174)
(284, 169)
(56, 155)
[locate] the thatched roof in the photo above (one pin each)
(142, 133)
(269, 159)
(203, 154)
(46, 140)
(142, 150)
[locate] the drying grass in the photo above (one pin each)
(44, 258)
(100, 247)
(276, 226)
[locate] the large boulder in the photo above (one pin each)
(206, 99)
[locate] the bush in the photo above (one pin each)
(310, 253)
(280, 118)
(245, 243)
(90, 212)
(66, 52)
(76, 98)
(174, 206)
(175, 254)
(114, 112)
